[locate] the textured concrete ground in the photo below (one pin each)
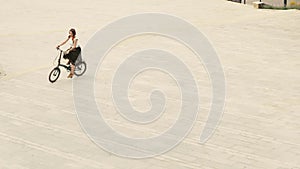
(259, 51)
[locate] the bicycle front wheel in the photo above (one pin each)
(80, 68)
(54, 74)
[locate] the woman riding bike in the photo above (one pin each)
(73, 52)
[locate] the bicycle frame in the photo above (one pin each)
(59, 59)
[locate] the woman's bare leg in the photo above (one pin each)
(72, 71)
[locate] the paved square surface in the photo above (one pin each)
(259, 51)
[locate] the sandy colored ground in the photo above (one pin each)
(259, 51)
(2, 72)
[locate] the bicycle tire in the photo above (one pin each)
(80, 68)
(55, 74)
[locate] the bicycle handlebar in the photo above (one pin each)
(59, 49)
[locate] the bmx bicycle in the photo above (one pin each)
(80, 67)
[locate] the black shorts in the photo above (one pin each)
(73, 55)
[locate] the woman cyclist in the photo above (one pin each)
(73, 52)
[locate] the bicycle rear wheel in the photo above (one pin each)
(54, 74)
(80, 68)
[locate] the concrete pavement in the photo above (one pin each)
(259, 51)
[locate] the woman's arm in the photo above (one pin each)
(64, 42)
